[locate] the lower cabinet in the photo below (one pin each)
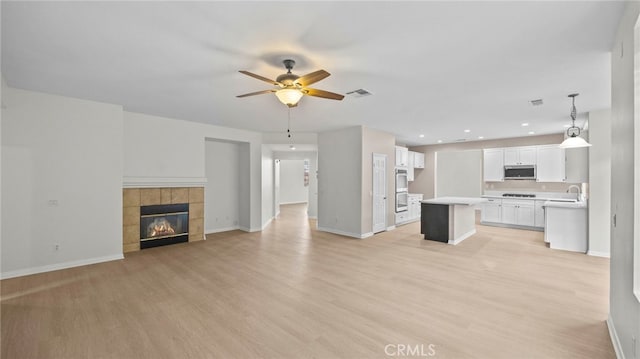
(516, 212)
(412, 214)
(492, 211)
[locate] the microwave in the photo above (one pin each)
(524, 172)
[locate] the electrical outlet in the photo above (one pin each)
(52, 202)
(56, 247)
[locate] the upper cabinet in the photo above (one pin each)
(402, 156)
(418, 160)
(494, 164)
(514, 156)
(551, 164)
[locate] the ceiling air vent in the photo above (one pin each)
(359, 93)
(460, 140)
(537, 102)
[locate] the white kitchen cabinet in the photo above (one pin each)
(514, 156)
(539, 213)
(410, 172)
(551, 164)
(418, 160)
(492, 210)
(402, 156)
(518, 212)
(414, 208)
(493, 165)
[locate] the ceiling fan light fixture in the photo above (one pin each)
(573, 139)
(289, 97)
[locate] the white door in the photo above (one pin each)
(379, 192)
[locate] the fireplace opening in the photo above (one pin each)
(164, 224)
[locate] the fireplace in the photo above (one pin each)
(164, 224)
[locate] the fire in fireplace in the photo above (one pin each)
(164, 224)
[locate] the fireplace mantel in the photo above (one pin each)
(163, 182)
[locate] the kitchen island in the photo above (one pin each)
(449, 219)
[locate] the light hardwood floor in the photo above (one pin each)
(293, 292)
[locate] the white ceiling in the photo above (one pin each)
(435, 68)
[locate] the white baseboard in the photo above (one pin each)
(366, 235)
(267, 223)
(285, 203)
(312, 217)
(58, 266)
(462, 237)
(343, 233)
(599, 254)
(218, 230)
(614, 338)
(391, 228)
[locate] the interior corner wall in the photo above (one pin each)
(339, 181)
(154, 145)
(62, 165)
(624, 307)
(267, 185)
(222, 189)
(374, 141)
(600, 182)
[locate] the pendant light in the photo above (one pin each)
(573, 133)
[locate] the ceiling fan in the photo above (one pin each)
(291, 87)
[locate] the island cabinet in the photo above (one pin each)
(493, 165)
(514, 156)
(518, 212)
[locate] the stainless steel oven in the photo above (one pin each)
(402, 181)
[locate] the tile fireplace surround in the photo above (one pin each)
(133, 198)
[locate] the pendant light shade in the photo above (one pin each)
(574, 142)
(573, 139)
(289, 97)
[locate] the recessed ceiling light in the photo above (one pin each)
(467, 131)
(480, 137)
(421, 136)
(439, 141)
(532, 133)
(525, 124)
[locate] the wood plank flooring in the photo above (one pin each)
(293, 292)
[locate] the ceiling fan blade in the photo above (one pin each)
(313, 77)
(256, 93)
(322, 93)
(260, 78)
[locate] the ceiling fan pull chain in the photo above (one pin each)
(289, 123)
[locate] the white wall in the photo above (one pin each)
(600, 182)
(624, 315)
(312, 156)
(186, 141)
(268, 178)
(292, 188)
(340, 181)
(222, 190)
(459, 174)
(61, 182)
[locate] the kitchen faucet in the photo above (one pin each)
(576, 187)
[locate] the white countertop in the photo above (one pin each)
(560, 204)
(468, 201)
